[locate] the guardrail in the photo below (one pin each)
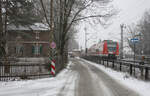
(134, 68)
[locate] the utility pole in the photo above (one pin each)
(5, 32)
(141, 45)
(85, 41)
(51, 21)
(1, 30)
(122, 26)
(2, 34)
(1, 24)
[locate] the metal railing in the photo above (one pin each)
(137, 69)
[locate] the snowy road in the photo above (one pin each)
(94, 82)
(80, 78)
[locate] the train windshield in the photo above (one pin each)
(112, 46)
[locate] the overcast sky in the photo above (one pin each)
(130, 12)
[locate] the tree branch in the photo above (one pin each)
(77, 13)
(41, 1)
(92, 16)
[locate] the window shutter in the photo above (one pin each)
(33, 49)
(40, 49)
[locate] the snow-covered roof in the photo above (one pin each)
(36, 26)
(76, 50)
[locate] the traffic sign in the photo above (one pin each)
(53, 45)
(134, 40)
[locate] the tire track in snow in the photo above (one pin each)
(69, 87)
(116, 88)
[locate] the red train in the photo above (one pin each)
(106, 49)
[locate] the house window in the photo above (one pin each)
(19, 49)
(37, 49)
(37, 36)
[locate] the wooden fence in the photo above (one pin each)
(23, 71)
(135, 68)
(28, 68)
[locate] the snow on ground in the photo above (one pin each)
(42, 87)
(138, 86)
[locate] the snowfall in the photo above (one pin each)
(65, 82)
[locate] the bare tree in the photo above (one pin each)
(141, 31)
(2, 31)
(67, 13)
(144, 30)
(133, 33)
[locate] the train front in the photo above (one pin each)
(112, 49)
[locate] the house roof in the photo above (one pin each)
(36, 26)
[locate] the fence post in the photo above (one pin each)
(146, 73)
(141, 71)
(134, 69)
(113, 64)
(93, 59)
(130, 69)
(96, 59)
(120, 66)
(107, 62)
(100, 60)
(0, 70)
(103, 61)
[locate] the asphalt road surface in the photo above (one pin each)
(94, 82)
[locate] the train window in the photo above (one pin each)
(112, 46)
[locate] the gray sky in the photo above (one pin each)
(130, 12)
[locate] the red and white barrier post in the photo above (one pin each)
(53, 61)
(53, 67)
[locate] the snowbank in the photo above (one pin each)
(63, 82)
